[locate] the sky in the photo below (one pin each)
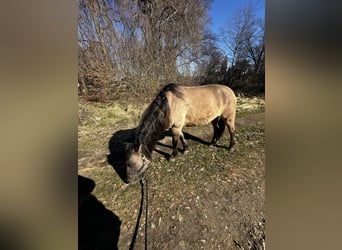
(223, 10)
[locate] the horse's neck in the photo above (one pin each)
(147, 140)
(153, 123)
(146, 151)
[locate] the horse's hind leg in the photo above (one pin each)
(185, 144)
(216, 127)
(219, 126)
(231, 128)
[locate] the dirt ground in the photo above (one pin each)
(207, 199)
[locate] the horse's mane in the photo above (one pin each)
(154, 120)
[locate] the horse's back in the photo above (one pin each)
(209, 96)
(214, 91)
(199, 105)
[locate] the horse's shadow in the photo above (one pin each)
(117, 150)
(118, 142)
(189, 137)
(98, 227)
(168, 134)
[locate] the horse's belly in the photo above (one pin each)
(192, 121)
(198, 123)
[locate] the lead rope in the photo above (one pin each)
(146, 217)
(131, 247)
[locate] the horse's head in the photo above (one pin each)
(136, 162)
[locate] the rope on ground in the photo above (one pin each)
(146, 217)
(131, 247)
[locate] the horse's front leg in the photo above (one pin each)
(176, 133)
(231, 129)
(175, 139)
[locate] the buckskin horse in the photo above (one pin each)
(173, 108)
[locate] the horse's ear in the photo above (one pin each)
(145, 151)
(128, 146)
(140, 149)
(131, 147)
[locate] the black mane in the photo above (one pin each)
(155, 119)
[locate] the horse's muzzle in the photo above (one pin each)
(135, 175)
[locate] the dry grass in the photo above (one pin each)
(96, 120)
(245, 104)
(206, 199)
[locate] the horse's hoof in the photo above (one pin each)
(231, 149)
(185, 151)
(172, 159)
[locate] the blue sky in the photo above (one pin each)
(222, 10)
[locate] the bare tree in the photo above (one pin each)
(138, 44)
(243, 34)
(244, 40)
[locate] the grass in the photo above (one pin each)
(179, 191)
(98, 120)
(249, 105)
